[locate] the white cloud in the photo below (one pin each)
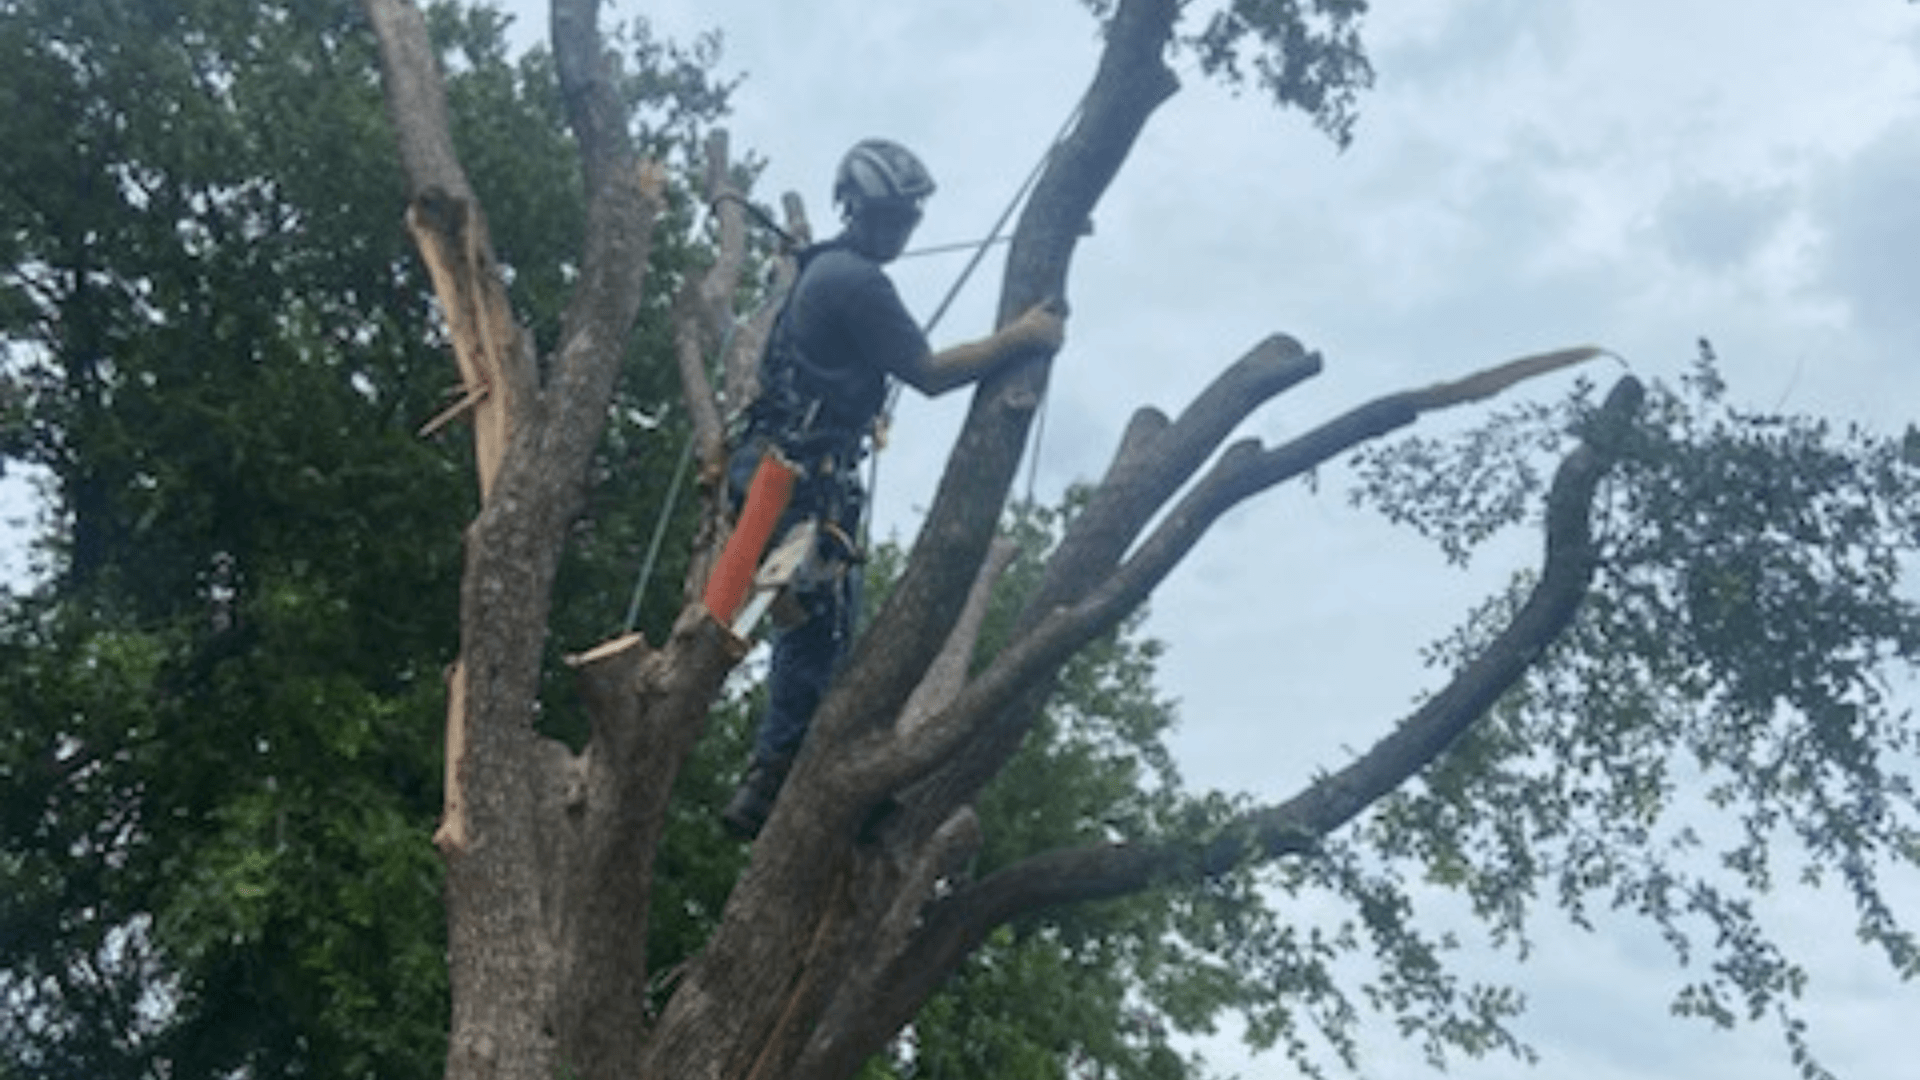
(1871, 218)
(1715, 228)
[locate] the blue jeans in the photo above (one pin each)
(805, 657)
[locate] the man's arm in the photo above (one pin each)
(1040, 329)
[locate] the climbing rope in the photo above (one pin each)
(659, 535)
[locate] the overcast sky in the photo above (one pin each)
(1526, 175)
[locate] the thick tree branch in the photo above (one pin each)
(624, 194)
(803, 860)
(955, 926)
(1152, 463)
(847, 1025)
(614, 825)
(416, 103)
(495, 357)
(586, 74)
(1154, 459)
(948, 672)
(511, 933)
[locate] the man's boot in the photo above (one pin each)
(750, 806)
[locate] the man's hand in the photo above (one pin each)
(1042, 326)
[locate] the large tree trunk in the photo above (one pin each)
(855, 903)
(528, 828)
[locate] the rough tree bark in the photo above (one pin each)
(855, 903)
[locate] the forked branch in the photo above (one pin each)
(1241, 472)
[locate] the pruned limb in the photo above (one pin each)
(647, 708)
(956, 925)
(949, 669)
(1155, 458)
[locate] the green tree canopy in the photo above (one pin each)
(1731, 716)
(221, 761)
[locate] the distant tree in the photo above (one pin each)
(220, 764)
(214, 761)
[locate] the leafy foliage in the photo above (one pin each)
(1726, 719)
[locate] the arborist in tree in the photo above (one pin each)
(842, 333)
